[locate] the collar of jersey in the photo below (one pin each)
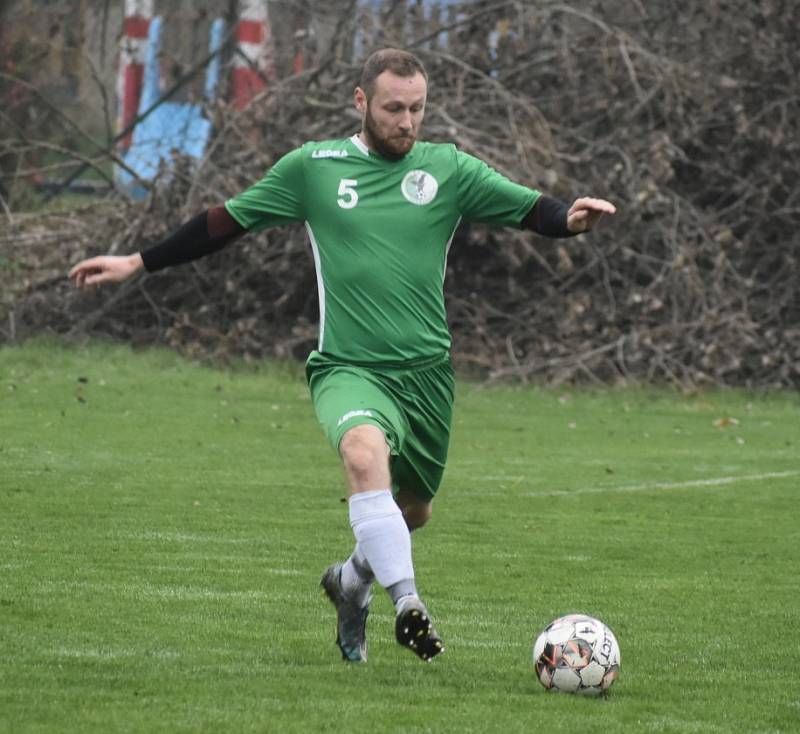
(355, 140)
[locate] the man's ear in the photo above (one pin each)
(360, 100)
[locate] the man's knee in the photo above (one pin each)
(365, 454)
(417, 515)
(416, 511)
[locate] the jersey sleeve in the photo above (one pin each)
(485, 195)
(276, 199)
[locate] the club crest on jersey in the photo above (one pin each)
(419, 187)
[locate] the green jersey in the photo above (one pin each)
(380, 231)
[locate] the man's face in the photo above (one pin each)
(392, 116)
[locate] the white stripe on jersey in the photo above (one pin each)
(447, 249)
(320, 284)
(355, 140)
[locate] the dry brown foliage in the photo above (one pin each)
(687, 121)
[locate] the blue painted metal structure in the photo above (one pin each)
(172, 127)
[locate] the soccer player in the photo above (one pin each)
(380, 208)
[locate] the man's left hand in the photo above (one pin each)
(585, 213)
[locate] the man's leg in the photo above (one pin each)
(416, 511)
(357, 575)
(413, 627)
(382, 537)
(383, 542)
(365, 458)
(361, 419)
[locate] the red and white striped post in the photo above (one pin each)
(131, 63)
(298, 61)
(253, 62)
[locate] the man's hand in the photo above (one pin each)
(585, 213)
(105, 269)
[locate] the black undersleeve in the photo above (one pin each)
(190, 242)
(548, 217)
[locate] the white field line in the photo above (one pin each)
(94, 653)
(655, 486)
(179, 537)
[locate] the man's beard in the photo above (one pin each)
(387, 147)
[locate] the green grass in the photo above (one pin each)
(163, 527)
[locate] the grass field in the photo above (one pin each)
(163, 528)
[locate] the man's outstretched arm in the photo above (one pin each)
(208, 232)
(552, 217)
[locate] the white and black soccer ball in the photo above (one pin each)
(576, 654)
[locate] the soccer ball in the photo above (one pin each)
(576, 654)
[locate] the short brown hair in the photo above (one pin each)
(398, 62)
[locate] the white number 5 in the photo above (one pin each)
(347, 193)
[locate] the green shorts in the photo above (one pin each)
(413, 406)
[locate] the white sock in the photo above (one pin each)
(382, 535)
(357, 577)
